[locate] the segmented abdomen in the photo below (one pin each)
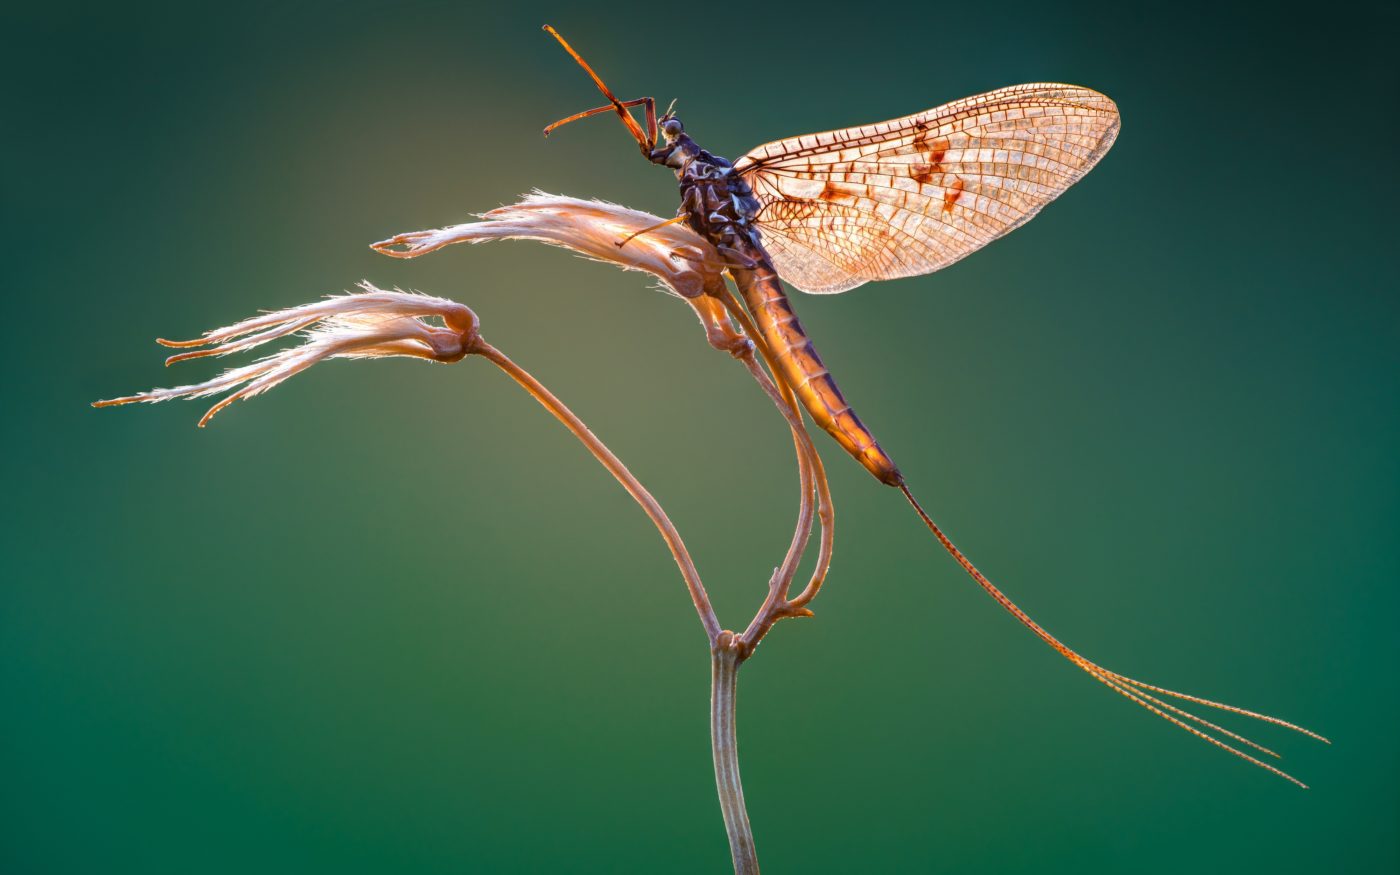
(803, 368)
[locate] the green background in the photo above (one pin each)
(391, 617)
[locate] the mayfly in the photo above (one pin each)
(831, 211)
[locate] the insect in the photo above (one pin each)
(831, 211)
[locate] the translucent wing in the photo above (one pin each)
(912, 195)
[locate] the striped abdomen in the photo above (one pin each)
(802, 367)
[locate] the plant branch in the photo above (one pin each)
(615, 467)
(777, 605)
(725, 658)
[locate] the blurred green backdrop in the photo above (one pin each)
(392, 618)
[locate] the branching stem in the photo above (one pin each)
(727, 650)
(615, 467)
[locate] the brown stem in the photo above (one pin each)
(725, 658)
(778, 586)
(614, 465)
(813, 475)
(728, 651)
(825, 512)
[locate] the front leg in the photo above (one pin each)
(692, 202)
(737, 259)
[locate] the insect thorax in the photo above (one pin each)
(717, 202)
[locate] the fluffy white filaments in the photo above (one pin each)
(373, 323)
(680, 258)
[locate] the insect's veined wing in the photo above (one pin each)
(912, 195)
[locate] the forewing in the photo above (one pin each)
(912, 195)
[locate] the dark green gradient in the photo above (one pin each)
(392, 618)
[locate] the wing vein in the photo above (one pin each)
(912, 195)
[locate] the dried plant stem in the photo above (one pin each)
(725, 658)
(727, 650)
(813, 475)
(614, 465)
(376, 323)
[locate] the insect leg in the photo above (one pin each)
(652, 130)
(737, 258)
(635, 234)
(646, 142)
(648, 102)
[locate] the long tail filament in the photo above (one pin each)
(1134, 690)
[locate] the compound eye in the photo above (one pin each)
(672, 127)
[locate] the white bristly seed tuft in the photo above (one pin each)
(373, 323)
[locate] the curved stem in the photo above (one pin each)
(813, 477)
(615, 467)
(825, 510)
(728, 651)
(725, 658)
(782, 578)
